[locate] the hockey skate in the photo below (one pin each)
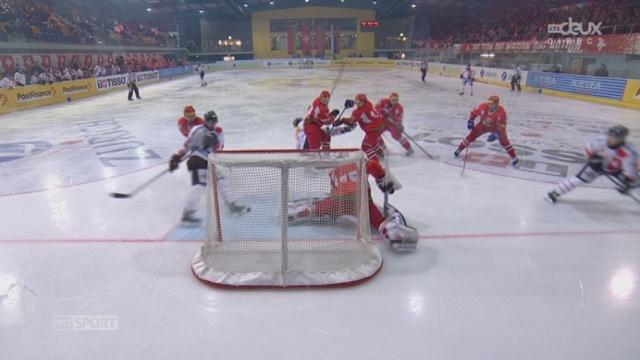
(188, 217)
(515, 162)
(410, 152)
(456, 153)
(552, 197)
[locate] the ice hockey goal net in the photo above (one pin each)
(264, 247)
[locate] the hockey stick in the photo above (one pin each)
(337, 79)
(389, 122)
(464, 163)
(418, 145)
(620, 185)
(385, 204)
(141, 187)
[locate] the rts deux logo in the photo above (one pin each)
(574, 28)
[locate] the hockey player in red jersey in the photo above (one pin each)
(317, 117)
(371, 122)
(394, 112)
(343, 200)
(608, 154)
(493, 119)
(189, 120)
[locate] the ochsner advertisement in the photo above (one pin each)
(116, 81)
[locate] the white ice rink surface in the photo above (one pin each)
(499, 273)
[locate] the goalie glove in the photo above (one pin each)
(174, 162)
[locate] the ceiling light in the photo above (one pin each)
(148, 9)
(201, 11)
(246, 5)
(413, 6)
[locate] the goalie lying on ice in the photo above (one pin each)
(343, 200)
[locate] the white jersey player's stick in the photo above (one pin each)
(619, 184)
(141, 187)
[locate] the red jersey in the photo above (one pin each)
(319, 114)
(185, 126)
(345, 179)
(493, 121)
(368, 118)
(393, 113)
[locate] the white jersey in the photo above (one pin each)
(196, 141)
(301, 136)
(624, 158)
(467, 74)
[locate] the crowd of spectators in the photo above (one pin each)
(75, 71)
(83, 22)
(530, 20)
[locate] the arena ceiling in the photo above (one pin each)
(241, 9)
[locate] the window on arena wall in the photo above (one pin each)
(279, 29)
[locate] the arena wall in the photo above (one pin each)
(603, 90)
(33, 96)
(261, 32)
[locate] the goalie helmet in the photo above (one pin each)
(211, 117)
(618, 132)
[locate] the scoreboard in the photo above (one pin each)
(369, 25)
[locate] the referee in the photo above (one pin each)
(131, 83)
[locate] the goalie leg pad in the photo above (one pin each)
(401, 237)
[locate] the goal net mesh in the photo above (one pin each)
(308, 223)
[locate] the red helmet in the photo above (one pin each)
(189, 110)
(494, 100)
(361, 97)
(325, 93)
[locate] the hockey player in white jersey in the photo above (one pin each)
(202, 140)
(608, 154)
(200, 70)
(467, 77)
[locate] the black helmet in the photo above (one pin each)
(618, 131)
(210, 116)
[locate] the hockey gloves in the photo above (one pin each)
(470, 124)
(173, 163)
(595, 162)
(335, 112)
(349, 104)
(210, 139)
(492, 137)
